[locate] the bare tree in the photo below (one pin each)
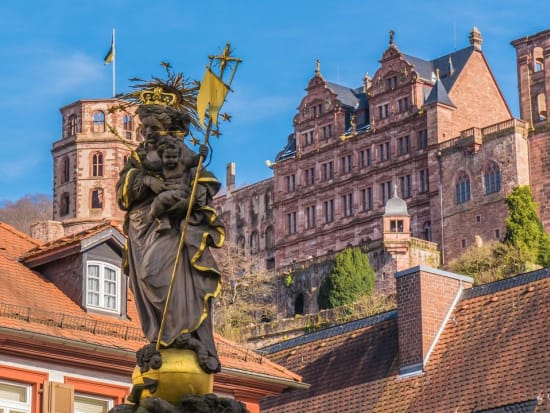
(24, 212)
(248, 292)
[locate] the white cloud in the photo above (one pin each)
(61, 74)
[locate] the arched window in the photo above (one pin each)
(72, 125)
(299, 304)
(427, 231)
(492, 178)
(538, 59)
(128, 126)
(97, 199)
(97, 164)
(254, 243)
(65, 170)
(462, 188)
(269, 238)
(64, 204)
(99, 121)
(125, 160)
(541, 107)
(240, 244)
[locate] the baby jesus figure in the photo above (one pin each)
(177, 162)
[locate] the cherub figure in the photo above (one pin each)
(176, 162)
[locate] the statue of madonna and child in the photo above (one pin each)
(171, 227)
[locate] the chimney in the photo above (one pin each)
(230, 176)
(47, 231)
(426, 298)
(475, 38)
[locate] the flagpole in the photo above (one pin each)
(114, 64)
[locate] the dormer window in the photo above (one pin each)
(102, 286)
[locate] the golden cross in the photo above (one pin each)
(224, 58)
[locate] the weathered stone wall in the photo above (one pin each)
(79, 142)
(482, 218)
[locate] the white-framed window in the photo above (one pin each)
(85, 403)
(15, 397)
(103, 286)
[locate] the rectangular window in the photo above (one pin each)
(327, 171)
(14, 397)
(310, 217)
(309, 176)
(291, 222)
(403, 104)
(328, 207)
(366, 199)
(424, 187)
(406, 186)
(103, 286)
(347, 201)
(422, 139)
(384, 151)
(346, 163)
(385, 191)
(403, 144)
(383, 111)
(365, 158)
(91, 404)
(291, 183)
(327, 131)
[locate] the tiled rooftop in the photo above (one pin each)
(30, 304)
(493, 354)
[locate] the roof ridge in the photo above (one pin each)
(506, 283)
(330, 331)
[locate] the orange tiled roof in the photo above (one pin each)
(494, 351)
(30, 303)
(13, 243)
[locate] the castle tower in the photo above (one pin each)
(533, 66)
(87, 160)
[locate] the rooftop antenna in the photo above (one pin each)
(454, 34)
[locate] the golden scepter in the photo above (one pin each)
(209, 94)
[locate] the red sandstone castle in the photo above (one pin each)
(413, 165)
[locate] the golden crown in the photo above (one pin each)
(158, 96)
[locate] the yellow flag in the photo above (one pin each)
(110, 56)
(212, 95)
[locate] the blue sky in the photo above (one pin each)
(52, 54)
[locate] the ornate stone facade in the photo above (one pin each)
(440, 130)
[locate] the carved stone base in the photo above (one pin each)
(209, 403)
(175, 375)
